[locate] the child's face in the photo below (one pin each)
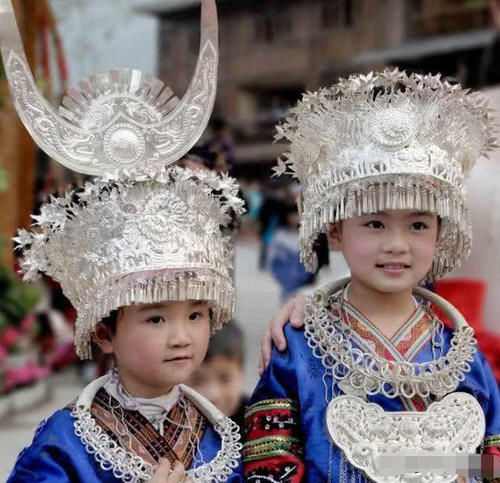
(158, 345)
(220, 379)
(390, 251)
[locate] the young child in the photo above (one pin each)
(146, 265)
(142, 256)
(221, 375)
(375, 376)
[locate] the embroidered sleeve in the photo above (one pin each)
(273, 448)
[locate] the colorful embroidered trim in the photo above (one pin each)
(404, 345)
(270, 404)
(273, 450)
(271, 447)
(177, 444)
(491, 441)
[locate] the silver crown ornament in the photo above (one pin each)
(143, 231)
(387, 140)
(147, 239)
(120, 119)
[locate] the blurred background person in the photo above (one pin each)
(284, 259)
(221, 375)
(272, 214)
(220, 142)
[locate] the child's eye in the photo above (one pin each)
(157, 319)
(195, 316)
(418, 226)
(375, 224)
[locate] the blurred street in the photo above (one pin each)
(258, 298)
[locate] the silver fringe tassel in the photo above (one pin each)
(171, 285)
(404, 192)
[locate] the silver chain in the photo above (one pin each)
(330, 340)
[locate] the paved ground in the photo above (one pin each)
(258, 298)
(18, 431)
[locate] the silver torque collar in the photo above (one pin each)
(131, 467)
(329, 340)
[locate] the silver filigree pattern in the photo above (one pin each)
(139, 237)
(386, 141)
(120, 119)
(364, 432)
(130, 467)
(328, 338)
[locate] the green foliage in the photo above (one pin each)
(17, 299)
(3, 174)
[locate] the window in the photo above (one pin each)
(337, 13)
(272, 25)
(274, 104)
(264, 29)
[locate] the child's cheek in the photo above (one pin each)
(426, 250)
(359, 250)
(146, 347)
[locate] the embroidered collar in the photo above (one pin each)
(404, 345)
(130, 466)
(331, 341)
(177, 440)
(154, 409)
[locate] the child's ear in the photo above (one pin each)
(102, 337)
(335, 236)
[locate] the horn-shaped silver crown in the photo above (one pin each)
(121, 119)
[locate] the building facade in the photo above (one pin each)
(273, 50)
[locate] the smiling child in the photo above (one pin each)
(375, 377)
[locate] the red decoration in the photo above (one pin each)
(468, 295)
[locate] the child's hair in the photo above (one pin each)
(111, 320)
(228, 342)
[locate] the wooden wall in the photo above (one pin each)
(17, 150)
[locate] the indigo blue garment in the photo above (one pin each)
(297, 375)
(57, 455)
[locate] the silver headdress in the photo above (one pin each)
(387, 141)
(120, 119)
(148, 238)
(140, 233)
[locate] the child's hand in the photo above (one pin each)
(164, 475)
(292, 311)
